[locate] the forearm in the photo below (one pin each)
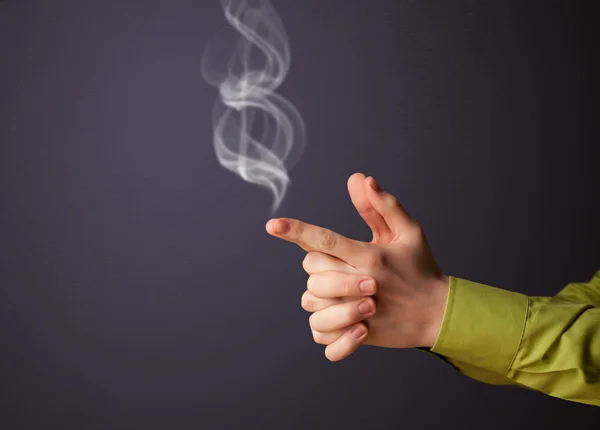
(547, 344)
(559, 353)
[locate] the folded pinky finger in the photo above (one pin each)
(347, 343)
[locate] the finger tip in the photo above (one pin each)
(359, 331)
(271, 226)
(330, 356)
(281, 226)
(355, 176)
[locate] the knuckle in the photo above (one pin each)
(305, 263)
(310, 283)
(419, 231)
(415, 233)
(391, 200)
(297, 228)
(414, 226)
(305, 302)
(309, 261)
(348, 286)
(313, 321)
(316, 285)
(327, 240)
(319, 337)
(373, 259)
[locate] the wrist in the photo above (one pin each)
(437, 308)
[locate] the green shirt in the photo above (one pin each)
(548, 344)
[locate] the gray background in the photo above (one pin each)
(139, 289)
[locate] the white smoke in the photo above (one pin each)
(257, 133)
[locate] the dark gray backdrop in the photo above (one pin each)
(139, 289)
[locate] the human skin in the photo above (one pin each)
(405, 306)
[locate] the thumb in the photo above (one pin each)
(357, 189)
(388, 206)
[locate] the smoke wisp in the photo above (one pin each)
(257, 133)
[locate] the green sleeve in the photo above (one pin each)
(583, 292)
(548, 344)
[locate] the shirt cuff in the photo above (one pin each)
(482, 325)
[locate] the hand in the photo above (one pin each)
(411, 291)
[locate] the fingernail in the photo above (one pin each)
(365, 307)
(374, 185)
(282, 227)
(359, 331)
(367, 286)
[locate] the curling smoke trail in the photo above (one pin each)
(256, 133)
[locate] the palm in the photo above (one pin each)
(384, 233)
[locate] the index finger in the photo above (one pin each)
(314, 238)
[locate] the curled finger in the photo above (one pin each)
(315, 262)
(312, 303)
(347, 343)
(327, 338)
(343, 315)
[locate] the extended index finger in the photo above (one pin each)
(314, 238)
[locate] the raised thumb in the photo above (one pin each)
(357, 189)
(388, 206)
